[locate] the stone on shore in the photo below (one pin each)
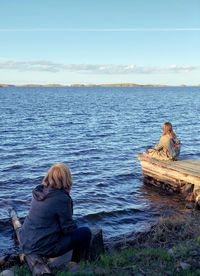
(7, 272)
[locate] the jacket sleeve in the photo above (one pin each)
(64, 213)
(159, 146)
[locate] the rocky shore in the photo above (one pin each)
(170, 247)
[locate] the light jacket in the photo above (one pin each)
(167, 149)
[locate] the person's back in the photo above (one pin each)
(168, 147)
(43, 226)
(49, 229)
(176, 144)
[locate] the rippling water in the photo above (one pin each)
(97, 131)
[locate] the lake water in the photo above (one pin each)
(97, 131)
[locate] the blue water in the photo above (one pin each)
(97, 131)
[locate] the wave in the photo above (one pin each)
(19, 182)
(114, 214)
(12, 167)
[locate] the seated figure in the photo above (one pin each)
(49, 229)
(168, 147)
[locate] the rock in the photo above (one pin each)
(2, 260)
(9, 261)
(73, 267)
(189, 205)
(86, 271)
(170, 191)
(171, 252)
(7, 272)
(61, 260)
(194, 253)
(100, 271)
(184, 265)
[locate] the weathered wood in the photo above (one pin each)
(36, 263)
(183, 176)
(165, 185)
(170, 169)
(188, 167)
(169, 173)
(96, 245)
(179, 166)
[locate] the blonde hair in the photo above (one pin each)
(59, 177)
(168, 129)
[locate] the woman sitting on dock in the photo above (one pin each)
(49, 229)
(168, 147)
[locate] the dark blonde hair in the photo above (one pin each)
(59, 177)
(168, 129)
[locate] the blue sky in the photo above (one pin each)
(100, 41)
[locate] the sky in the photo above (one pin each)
(100, 41)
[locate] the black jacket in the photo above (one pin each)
(50, 216)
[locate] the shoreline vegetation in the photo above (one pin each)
(96, 85)
(170, 247)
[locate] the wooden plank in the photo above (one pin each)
(173, 165)
(192, 165)
(182, 166)
(166, 179)
(169, 171)
(185, 167)
(193, 161)
(36, 263)
(174, 168)
(166, 171)
(189, 164)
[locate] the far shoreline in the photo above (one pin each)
(96, 85)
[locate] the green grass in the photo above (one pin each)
(22, 271)
(147, 261)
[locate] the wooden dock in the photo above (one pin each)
(181, 176)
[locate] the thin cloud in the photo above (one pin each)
(101, 69)
(31, 66)
(101, 30)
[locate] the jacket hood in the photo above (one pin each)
(41, 192)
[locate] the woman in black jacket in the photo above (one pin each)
(49, 229)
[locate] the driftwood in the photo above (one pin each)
(96, 245)
(36, 263)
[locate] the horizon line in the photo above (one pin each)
(94, 84)
(101, 30)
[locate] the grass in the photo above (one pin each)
(172, 247)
